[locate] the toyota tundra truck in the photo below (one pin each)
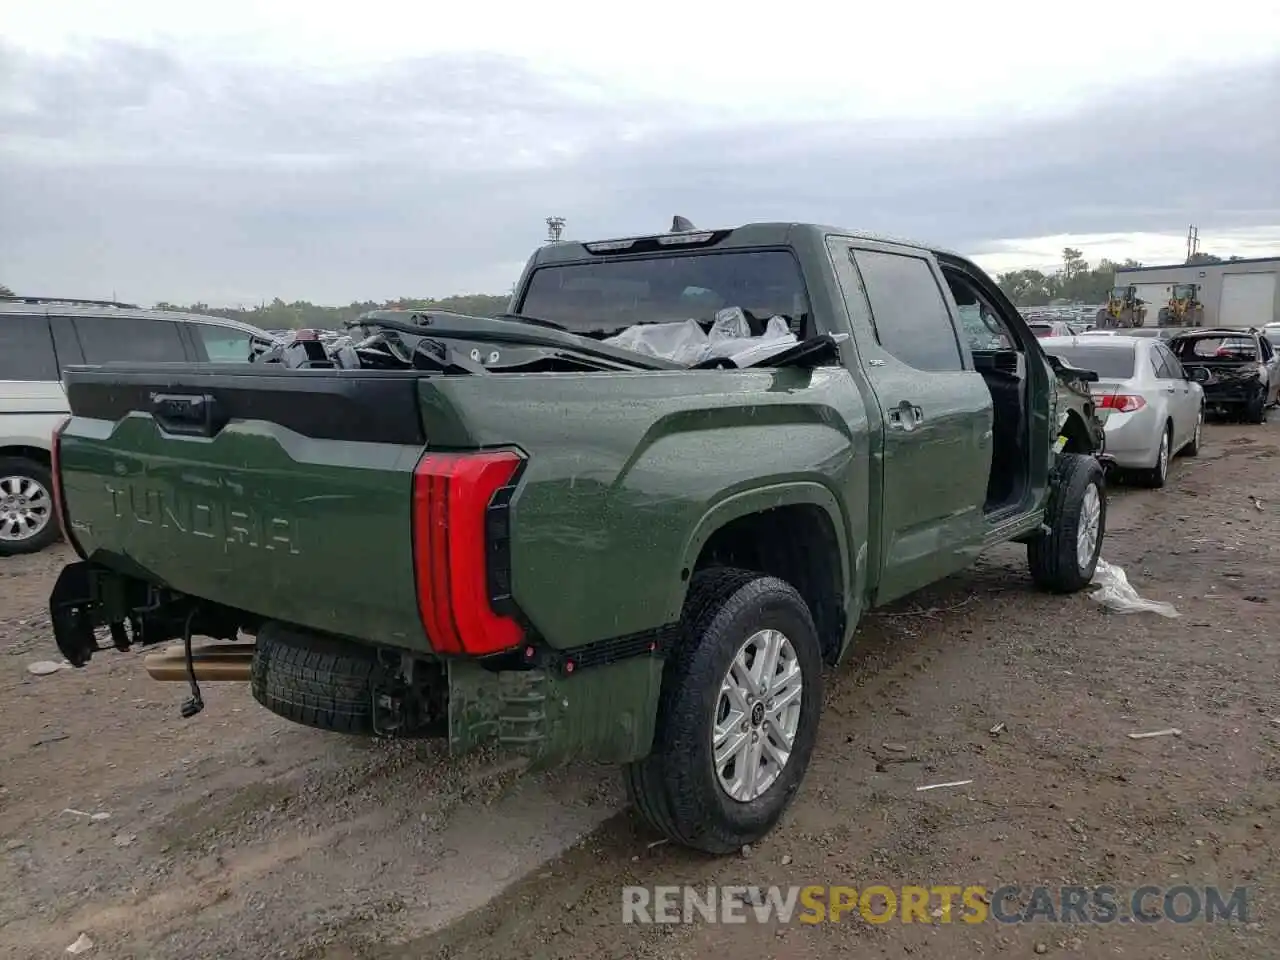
(535, 531)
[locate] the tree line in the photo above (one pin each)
(1074, 281)
(278, 315)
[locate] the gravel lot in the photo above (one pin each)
(237, 835)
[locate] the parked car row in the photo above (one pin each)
(1155, 386)
(39, 338)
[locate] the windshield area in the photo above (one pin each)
(603, 298)
(1109, 363)
(1184, 291)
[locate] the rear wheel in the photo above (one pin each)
(1063, 559)
(1158, 474)
(27, 521)
(738, 716)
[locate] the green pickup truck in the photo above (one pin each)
(523, 531)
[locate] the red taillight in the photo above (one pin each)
(55, 470)
(452, 542)
(1122, 402)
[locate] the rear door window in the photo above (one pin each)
(1169, 367)
(26, 349)
(131, 339)
(909, 314)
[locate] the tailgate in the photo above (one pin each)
(284, 495)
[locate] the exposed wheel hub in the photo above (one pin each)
(25, 508)
(757, 715)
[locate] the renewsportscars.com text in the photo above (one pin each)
(1009, 904)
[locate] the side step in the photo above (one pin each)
(213, 661)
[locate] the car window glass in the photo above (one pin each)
(909, 314)
(1164, 370)
(1171, 362)
(26, 349)
(135, 339)
(1265, 345)
(223, 344)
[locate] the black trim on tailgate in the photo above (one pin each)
(374, 406)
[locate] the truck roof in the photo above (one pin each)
(40, 307)
(764, 234)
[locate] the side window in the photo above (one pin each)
(133, 339)
(1267, 353)
(1173, 368)
(221, 344)
(26, 349)
(908, 311)
(1160, 362)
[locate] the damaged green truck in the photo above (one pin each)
(515, 531)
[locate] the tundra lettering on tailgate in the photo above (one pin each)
(238, 524)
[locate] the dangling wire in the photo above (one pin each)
(196, 703)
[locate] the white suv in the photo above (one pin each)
(38, 338)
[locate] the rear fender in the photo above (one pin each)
(772, 497)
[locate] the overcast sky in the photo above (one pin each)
(245, 150)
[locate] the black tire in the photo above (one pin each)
(676, 788)
(317, 681)
(1256, 411)
(33, 470)
(1156, 477)
(1053, 556)
(1192, 448)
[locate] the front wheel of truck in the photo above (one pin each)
(738, 716)
(1064, 558)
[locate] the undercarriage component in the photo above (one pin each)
(211, 662)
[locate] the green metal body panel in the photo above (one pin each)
(604, 715)
(312, 532)
(620, 494)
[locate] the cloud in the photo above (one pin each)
(154, 175)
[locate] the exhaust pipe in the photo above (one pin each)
(215, 661)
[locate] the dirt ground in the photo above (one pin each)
(236, 835)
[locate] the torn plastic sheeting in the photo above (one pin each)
(1117, 594)
(685, 342)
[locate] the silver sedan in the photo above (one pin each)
(1150, 409)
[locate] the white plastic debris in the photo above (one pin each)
(92, 816)
(1116, 594)
(42, 668)
(939, 786)
(1168, 732)
(729, 338)
(82, 944)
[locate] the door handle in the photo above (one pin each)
(905, 416)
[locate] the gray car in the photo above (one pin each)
(1150, 408)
